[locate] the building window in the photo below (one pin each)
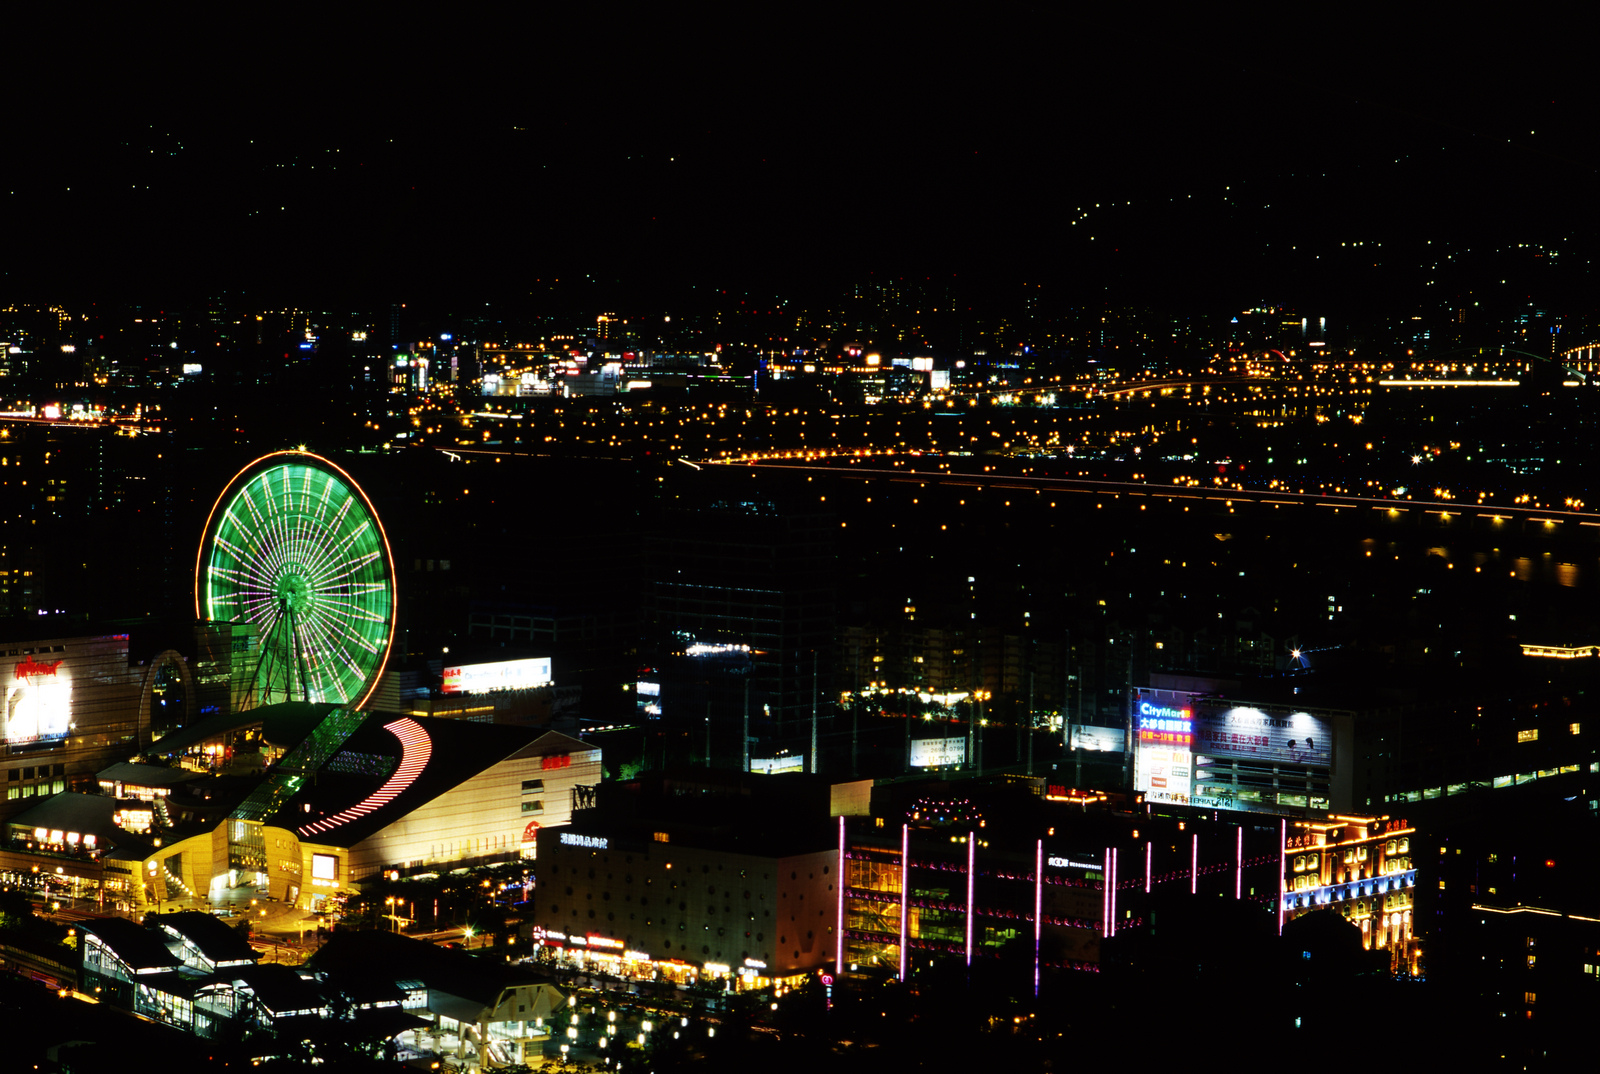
(533, 807)
(529, 785)
(1530, 735)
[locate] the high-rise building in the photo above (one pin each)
(749, 571)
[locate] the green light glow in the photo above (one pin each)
(296, 551)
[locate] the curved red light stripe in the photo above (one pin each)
(415, 749)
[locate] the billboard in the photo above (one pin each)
(500, 675)
(1100, 739)
(1163, 764)
(38, 704)
(938, 752)
(1247, 733)
(774, 765)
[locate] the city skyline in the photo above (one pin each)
(1098, 503)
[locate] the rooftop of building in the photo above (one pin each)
(220, 726)
(1332, 689)
(146, 775)
(216, 941)
(24, 631)
(373, 769)
(139, 947)
(385, 958)
(716, 808)
(69, 811)
(281, 989)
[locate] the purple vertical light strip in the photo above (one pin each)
(1194, 865)
(1038, 909)
(905, 892)
(838, 962)
(1105, 894)
(1283, 866)
(1149, 857)
(1238, 865)
(972, 870)
(1111, 921)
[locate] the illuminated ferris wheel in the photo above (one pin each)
(294, 548)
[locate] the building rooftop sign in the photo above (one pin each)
(499, 675)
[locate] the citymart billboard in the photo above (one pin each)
(500, 675)
(1163, 763)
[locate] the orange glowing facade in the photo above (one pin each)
(1363, 868)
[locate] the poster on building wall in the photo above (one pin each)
(1247, 733)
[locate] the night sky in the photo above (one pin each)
(787, 153)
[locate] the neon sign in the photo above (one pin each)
(1166, 734)
(591, 842)
(28, 667)
(1165, 726)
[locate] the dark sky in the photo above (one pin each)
(417, 156)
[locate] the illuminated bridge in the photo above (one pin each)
(1539, 519)
(1584, 360)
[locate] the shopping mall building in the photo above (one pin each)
(77, 700)
(351, 794)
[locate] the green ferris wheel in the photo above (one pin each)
(294, 548)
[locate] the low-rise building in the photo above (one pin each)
(698, 876)
(503, 1013)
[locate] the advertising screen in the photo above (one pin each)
(1102, 739)
(501, 675)
(774, 765)
(38, 703)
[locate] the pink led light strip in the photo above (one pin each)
(415, 749)
(844, 882)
